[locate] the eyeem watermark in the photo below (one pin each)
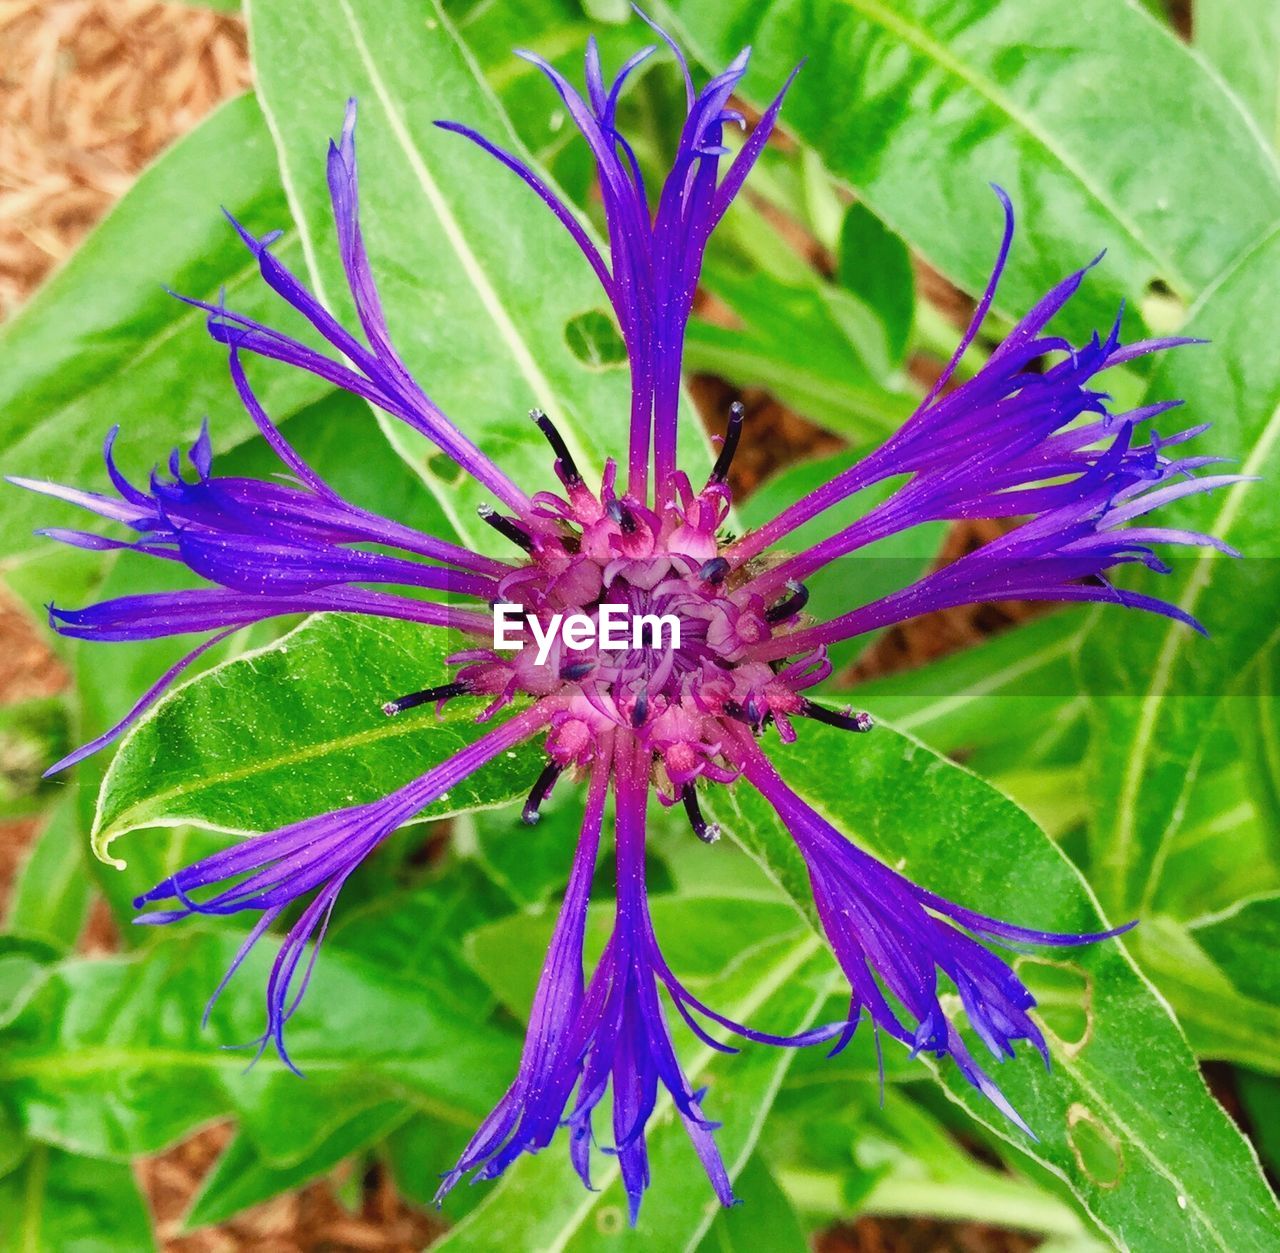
(613, 627)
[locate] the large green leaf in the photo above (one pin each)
(102, 342)
(295, 729)
(540, 1203)
(50, 896)
(1242, 38)
(1153, 699)
(56, 1202)
(1124, 1120)
(1211, 993)
(766, 1221)
(1017, 687)
(481, 285)
(107, 1057)
(1093, 121)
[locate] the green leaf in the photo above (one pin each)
(821, 347)
(1152, 700)
(875, 266)
(874, 571)
(32, 732)
(529, 866)
(420, 933)
(107, 1057)
(1219, 854)
(57, 1202)
(1258, 736)
(840, 1152)
(919, 105)
(1243, 940)
(790, 343)
(295, 729)
(102, 341)
(1215, 1004)
(540, 1202)
(1017, 686)
(765, 1219)
(1124, 1120)
(479, 282)
(1242, 38)
(50, 896)
(1260, 1095)
(23, 963)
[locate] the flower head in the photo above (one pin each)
(1019, 440)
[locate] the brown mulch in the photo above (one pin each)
(90, 91)
(921, 1235)
(312, 1220)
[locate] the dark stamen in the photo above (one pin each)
(507, 527)
(446, 691)
(529, 815)
(789, 607)
(567, 470)
(640, 711)
(707, 832)
(578, 670)
(847, 721)
(621, 515)
(714, 571)
(750, 715)
(720, 471)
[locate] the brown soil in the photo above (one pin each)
(920, 1235)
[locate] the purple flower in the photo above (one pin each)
(1022, 439)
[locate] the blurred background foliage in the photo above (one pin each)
(1039, 765)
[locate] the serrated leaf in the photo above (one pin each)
(919, 105)
(1124, 1120)
(295, 729)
